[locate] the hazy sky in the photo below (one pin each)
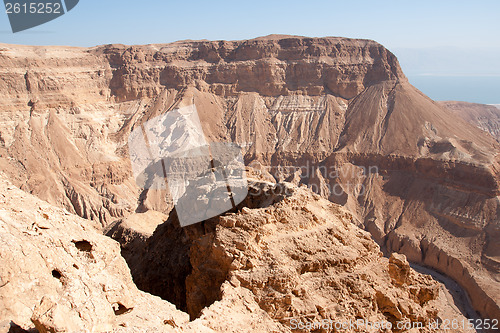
(429, 37)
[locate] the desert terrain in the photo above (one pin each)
(362, 192)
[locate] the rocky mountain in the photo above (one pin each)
(334, 114)
(486, 117)
(294, 256)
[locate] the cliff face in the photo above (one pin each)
(79, 95)
(58, 273)
(315, 105)
(298, 255)
(270, 66)
(486, 117)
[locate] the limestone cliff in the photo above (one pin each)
(308, 104)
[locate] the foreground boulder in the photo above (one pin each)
(59, 274)
(290, 258)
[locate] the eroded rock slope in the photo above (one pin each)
(295, 258)
(305, 103)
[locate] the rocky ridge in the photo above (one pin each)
(486, 117)
(296, 102)
(299, 258)
(291, 259)
(60, 274)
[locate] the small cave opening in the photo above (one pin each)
(120, 309)
(83, 245)
(162, 264)
(15, 328)
(57, 274)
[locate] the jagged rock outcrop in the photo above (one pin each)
(296, 259)
(296, 104)
(60, 274)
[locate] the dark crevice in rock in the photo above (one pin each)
(27, 82)
(83, 245)
(14, 328)
(56, 274)
(120, 309)
(162, 265)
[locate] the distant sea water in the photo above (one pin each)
(473, 89)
